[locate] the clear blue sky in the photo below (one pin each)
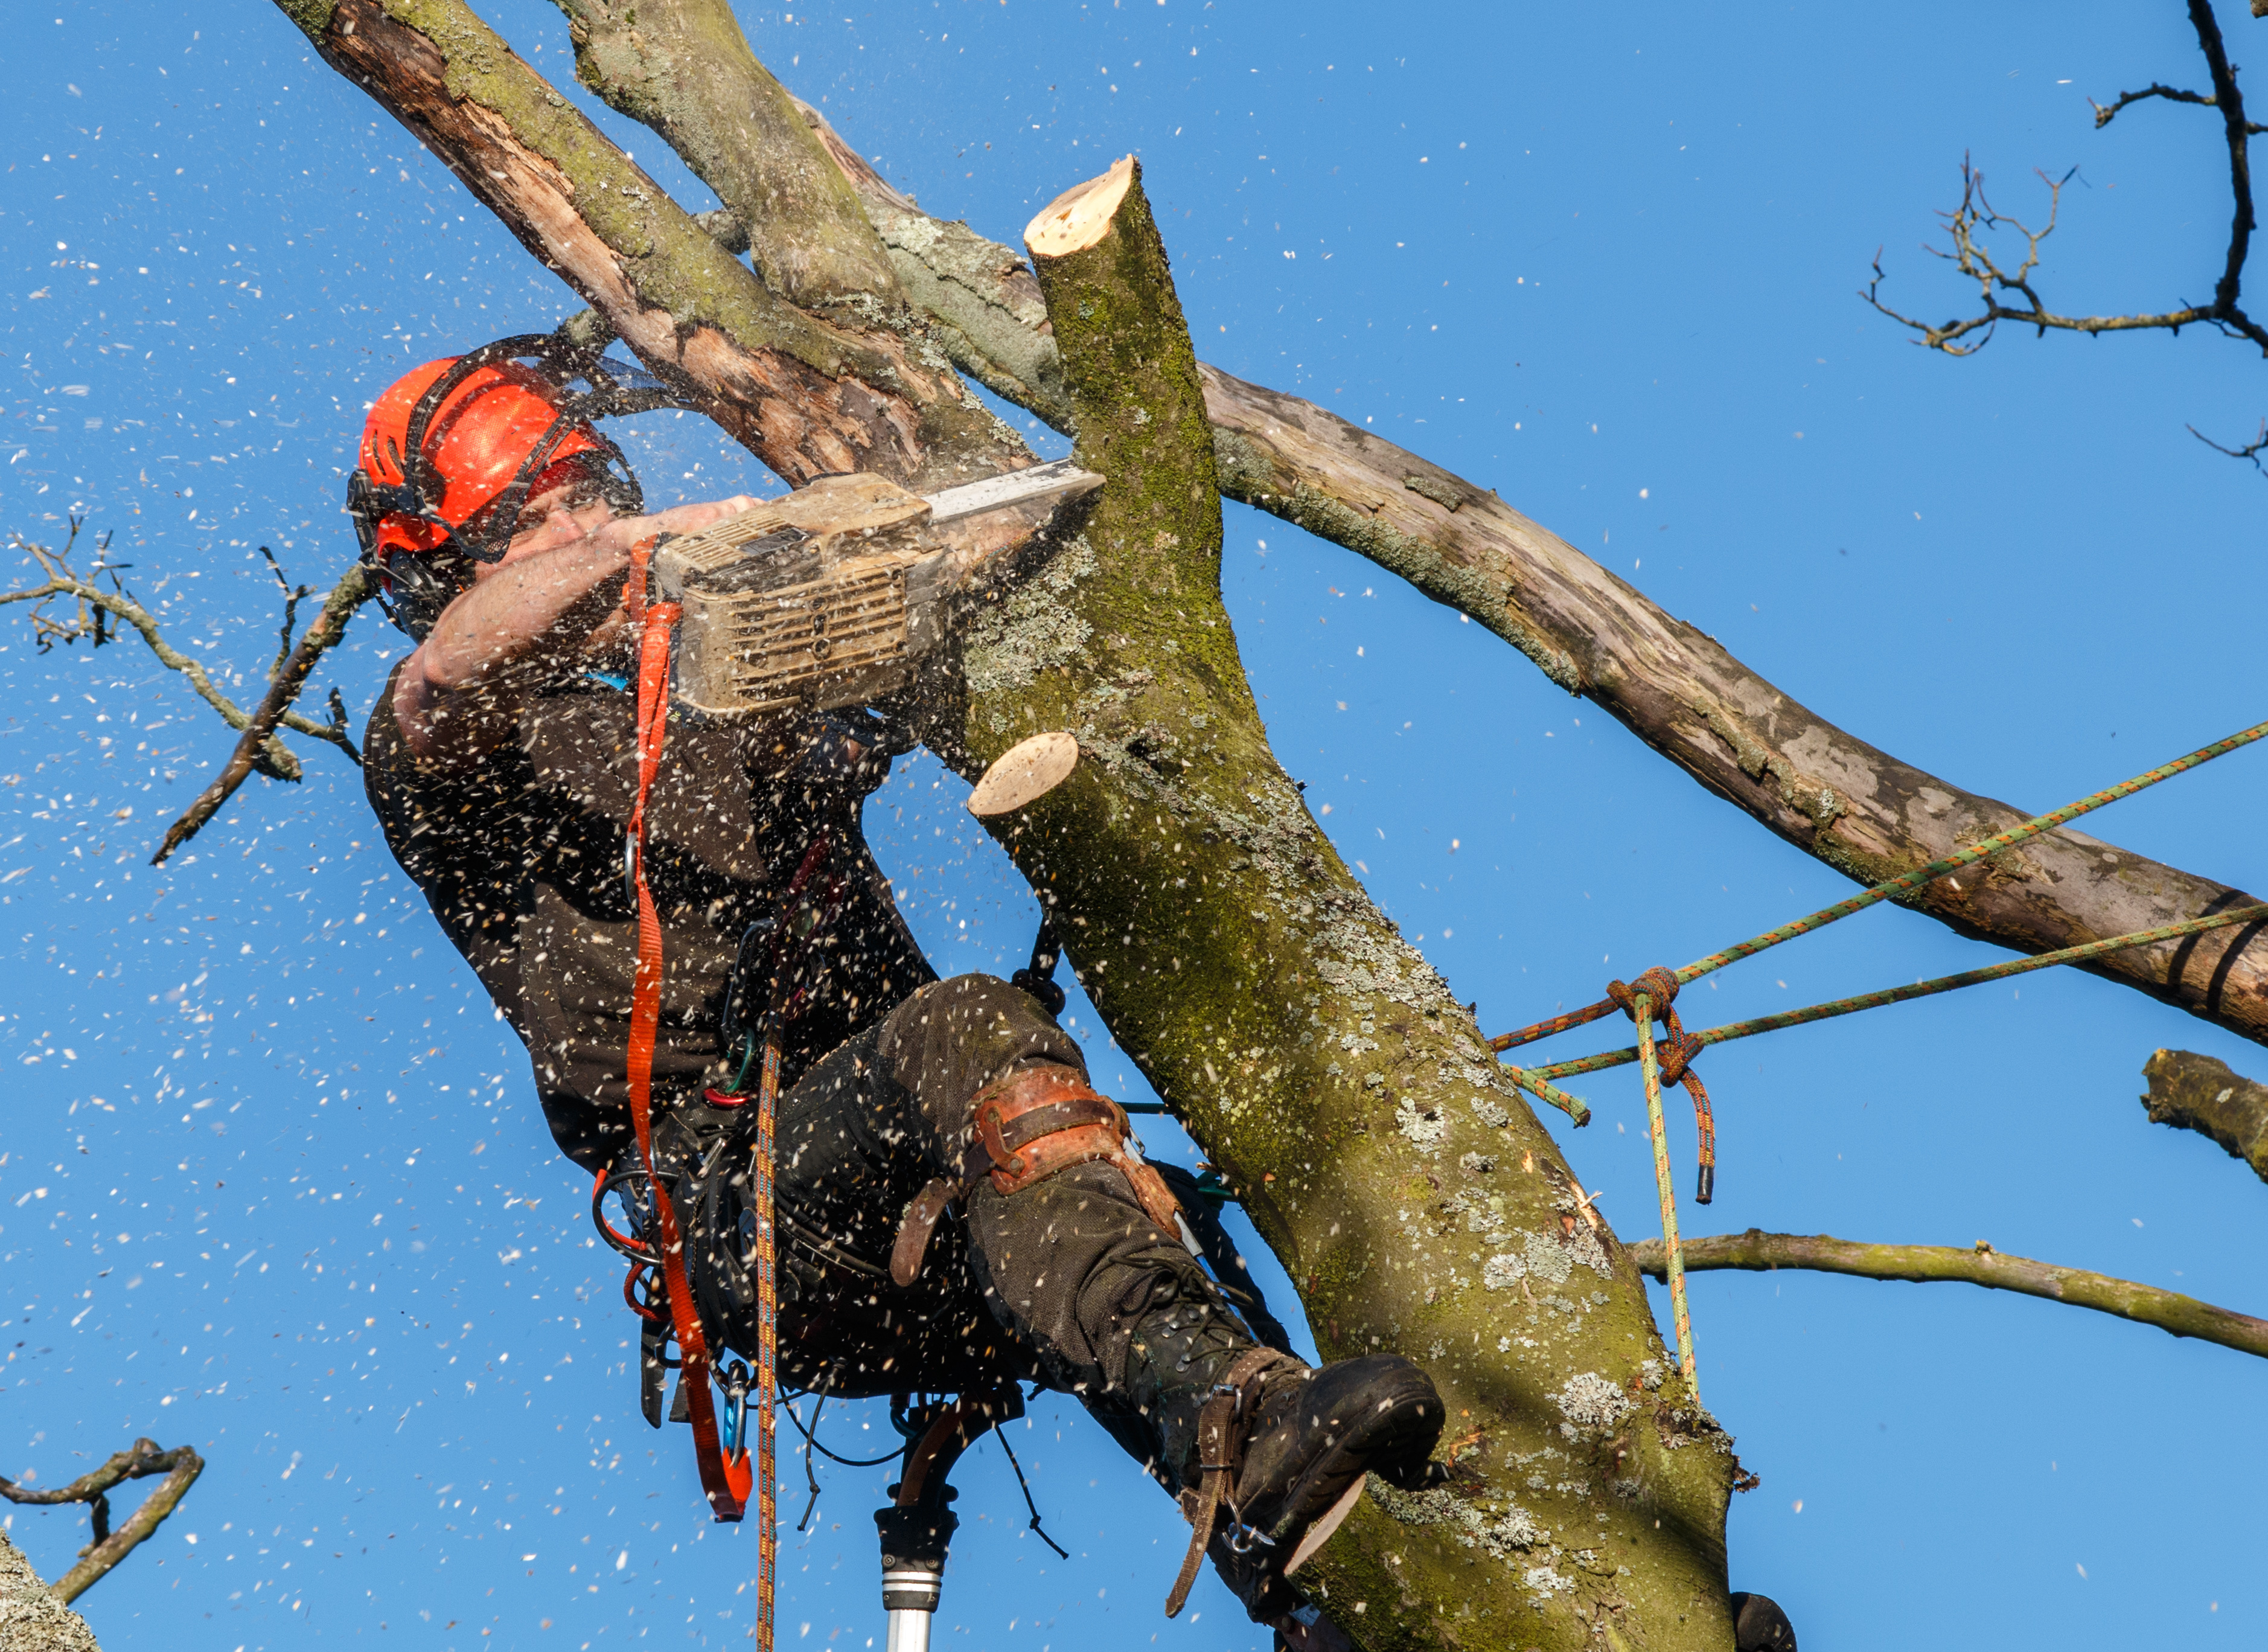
(271, 1176)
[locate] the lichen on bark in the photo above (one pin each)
(1318, 1058)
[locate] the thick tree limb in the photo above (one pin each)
(1863, 812)
(181, 1467)
(1351, 1102)
(808, 397)
(356, 587)
(684, 68)
(2194, 1092)
(1757, 1252)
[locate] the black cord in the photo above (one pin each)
(847, 1463)
(809, 1474)
(1026, 1490)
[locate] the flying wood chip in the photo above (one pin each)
(1029, 769)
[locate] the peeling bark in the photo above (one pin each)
(1760, 1252)
(1349, 1099)
(1860, 810)
(2194, 1092)
(808, 397)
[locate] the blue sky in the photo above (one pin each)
(271, 1177)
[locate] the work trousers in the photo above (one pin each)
(1051, 1283)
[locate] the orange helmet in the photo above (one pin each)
(451, 452)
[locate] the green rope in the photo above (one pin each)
(1992, 845)
(1539, 1077)
(1571, 1105)
(1642, 1012)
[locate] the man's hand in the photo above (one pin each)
(539, 611)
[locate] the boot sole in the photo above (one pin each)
(1320, 1533)
(1357, 1452)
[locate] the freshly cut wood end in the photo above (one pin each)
(1080, 216)
(1026, 770)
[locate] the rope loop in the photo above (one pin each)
(1658, 984)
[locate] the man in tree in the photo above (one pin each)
(503, 764)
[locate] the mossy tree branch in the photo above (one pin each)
(1859, 809)
(1760, 1252)
(683, 67)
(2195, 1092)
(808, 397)
(181, 1467)
(1415, 1201)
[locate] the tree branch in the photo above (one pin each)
(1866, 814)
(181, 1467)
(356, 587)
(2194, 1092)
(1324, 1066)
(683, 67)
(1758, 1251)
(95, 605)
(807, 396)
(1973, 259)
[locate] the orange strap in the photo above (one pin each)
(727, 1480)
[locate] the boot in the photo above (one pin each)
(1268, 1454)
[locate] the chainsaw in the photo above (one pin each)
(835, 595)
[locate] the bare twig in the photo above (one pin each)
(1758, 1251)
(93, 604)
(1996, 284)
(2105, 114)
(181, 1467)
(292, 665)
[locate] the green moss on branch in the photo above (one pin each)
(1417, 1201)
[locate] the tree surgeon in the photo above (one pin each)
(957, 1207)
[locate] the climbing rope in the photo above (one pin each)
(1653, 996)
(1920, 989)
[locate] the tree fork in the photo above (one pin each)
(683, 67)
(1324, 1066)
(808, 397)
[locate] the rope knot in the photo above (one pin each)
(1658, 984)
(1675, 1054)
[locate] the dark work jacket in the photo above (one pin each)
(520, 855)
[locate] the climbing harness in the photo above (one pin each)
(1653, 995)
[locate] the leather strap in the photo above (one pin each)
(1031, 1125)
(1221, 1448)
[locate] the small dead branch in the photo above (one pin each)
(1758, 1251)
(181, 1467)
(101, 615)
(287, 678)
(1996, 284)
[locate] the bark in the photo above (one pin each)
(808, 397)
(1760, 1252)
(1864, 813)
(1348, 1098)
(979, 300)
(2194, 1092)
(684, 68)
(32, 1619)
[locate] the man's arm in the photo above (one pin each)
(533, 614)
